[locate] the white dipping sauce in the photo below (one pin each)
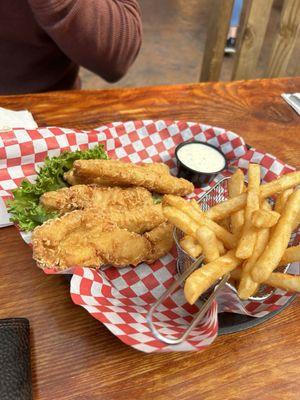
(201, 158)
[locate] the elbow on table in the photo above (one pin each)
(114, 74)
(117, 70)
(119, 66)
(112, 71)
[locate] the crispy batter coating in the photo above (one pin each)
(161, 239)
(115, 172)
(72, 179)
(138, 220)
(76, 239)
(85, 238)
(102, 225)
(80, 197)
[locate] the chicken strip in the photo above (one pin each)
(76, 180)
(138, 220)
(73, 179)
(161, 239)
(78, 240)
(125, 174)
(157, 167)
(83, 238)
(80, 197)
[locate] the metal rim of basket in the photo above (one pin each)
(182, 277)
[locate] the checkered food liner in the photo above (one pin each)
(120, 298)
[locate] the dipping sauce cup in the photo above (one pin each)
(199, 162)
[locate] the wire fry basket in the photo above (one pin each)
(186, 265)
(217, 194)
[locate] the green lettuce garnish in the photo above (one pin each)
(25, 208)
(157, 198)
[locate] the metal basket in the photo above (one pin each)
(186, 265)
(217, 194)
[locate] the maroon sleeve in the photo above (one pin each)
(103, 36)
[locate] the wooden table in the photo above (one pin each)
(74, 356)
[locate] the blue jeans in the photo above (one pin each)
(236, 13)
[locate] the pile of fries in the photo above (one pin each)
(242, 236)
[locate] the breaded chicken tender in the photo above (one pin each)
(161, 239)
(80, 197)
(76, 239)
(138, 220)
(76, 180)
(73, 179)
(83, 238)
(115, 172)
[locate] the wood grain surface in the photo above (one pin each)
(219, 22)
(74, 356)
(286, 39)
(252, 29)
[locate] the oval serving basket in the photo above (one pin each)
(121, 298)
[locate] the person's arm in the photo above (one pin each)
(103, 36)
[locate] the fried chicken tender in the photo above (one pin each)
(73, 179)
(80, 197)
(70, 177)
(84, 238)
(138, 220)
(115, 172)
(78, 239)
(161, 239)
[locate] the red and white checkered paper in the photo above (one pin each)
(120, 298)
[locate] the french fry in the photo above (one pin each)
(236, 274)
(236, 186)
(264, 218)
(284, 281)
(280, 204)
(276, 279)
(189, 207)
(281, 200)
(182, 221)
(191, 246)
(290, 255)
(279, 240)
(199, 217)
(225, 223)
(221, 247)
(285, 182)
(203, 278)
(195, 205)
(225, 209)
(296, 223)
(247, 287)
(248, 237)
(208, 241)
